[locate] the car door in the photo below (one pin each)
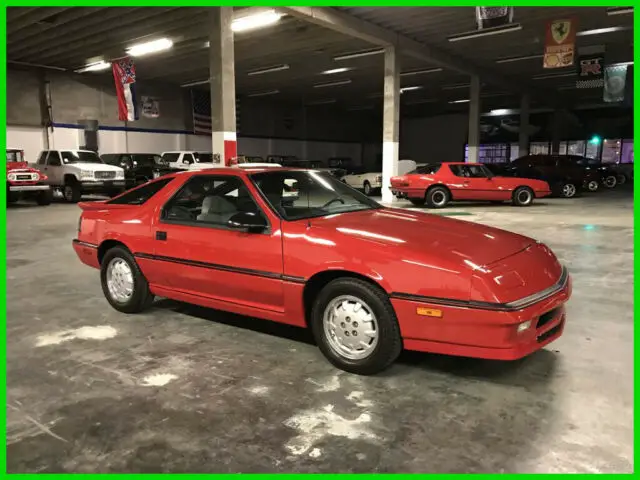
(207, 257)
(53, 168)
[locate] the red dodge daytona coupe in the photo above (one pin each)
(439, 183)
(302, 248)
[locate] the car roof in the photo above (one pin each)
(238, 171)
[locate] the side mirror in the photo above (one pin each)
(249, 221)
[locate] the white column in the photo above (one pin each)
(523, 140)
(391, 121)
(474, 120)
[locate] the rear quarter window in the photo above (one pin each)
(140, 195)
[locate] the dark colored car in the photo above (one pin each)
(608, 174)
(563, 174)
(138, 168)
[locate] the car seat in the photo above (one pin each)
(216, 209)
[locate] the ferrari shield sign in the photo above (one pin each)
(560, 42)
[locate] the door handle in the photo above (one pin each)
(161, 236)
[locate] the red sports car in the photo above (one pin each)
(26, 182)
(302, 248)
(439, 183)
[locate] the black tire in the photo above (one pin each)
(567, 189)
(389, 343)
(522, 197)
(610, 181)
(437, 197)
(72, 191)
(417, 201)
(367, 188)
(45, 197)
(141, 298)
(593, 185)
(622, 179)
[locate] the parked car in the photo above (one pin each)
(368, 182)
(188, 160)
(138, 168)
(78, 172)
(24, 182)
(624, 172)
(388, 280)
(440, 183)
(608, 175)
(565, 178)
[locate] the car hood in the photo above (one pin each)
(103, 167)
(417, 234)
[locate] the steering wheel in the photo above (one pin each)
(182, 211)
(333, 200)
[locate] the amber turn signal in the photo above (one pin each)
(429, 312)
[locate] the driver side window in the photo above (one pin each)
(188, 158)
(209, 200)
(54, 159)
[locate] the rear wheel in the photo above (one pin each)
(123, 284)
(355, 326)
(522, 197)
(622, 179)
(593, 185)
(437, 197)
(367, 188)
(45, 197)
(610, 181)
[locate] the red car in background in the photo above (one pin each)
(440, 183)
(24, 182)
(302, 248)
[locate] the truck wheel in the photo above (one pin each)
(367, 188)
(72, 192)
(123, 284)
(355, 326)
(522, 197)
(45, 197)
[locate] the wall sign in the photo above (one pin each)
(150, 107)
(560, 42)
(590, 69)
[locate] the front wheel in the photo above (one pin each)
(355, 326)
(568, 190)
(367, 188)
(593, 186)
(522, 197)
(610, 181)
(123, 284)
(72, 192)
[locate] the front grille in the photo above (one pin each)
(105, 175)
(550, 333)
(546, 318)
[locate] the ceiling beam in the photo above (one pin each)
(355, 27)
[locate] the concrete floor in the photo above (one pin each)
(184, 389)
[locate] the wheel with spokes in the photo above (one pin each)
(123, 284)
(355, 326)
(568, 190)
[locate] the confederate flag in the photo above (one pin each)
(124, 74)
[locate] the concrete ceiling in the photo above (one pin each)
(70, 37)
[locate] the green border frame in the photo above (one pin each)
(240, 3)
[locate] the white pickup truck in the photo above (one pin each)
(78, 172)
(188, 160)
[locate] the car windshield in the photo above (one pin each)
(301, 194)
(80, 156)
(15, 156)
(142, 160)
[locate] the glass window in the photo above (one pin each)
(592, 150)
(575, 148)
(305, 194)
(15, 156)
(210, 200)
(539, 148)
(42, 159)
(426, 169)
(515, 150)
(611, 151)
(204, 157)
(126, 162)
(188, 158)
(80, 156)
(54, 159)
(470, 171)
(144, 159)
(563, 148)
(626, 155)
(110, 158)
(140, 195)
(170, 157)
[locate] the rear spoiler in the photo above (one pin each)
(96, 205)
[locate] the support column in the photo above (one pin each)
(523, 140)
(474, 120)
(390, 121)
(555, 132)
(222, 84)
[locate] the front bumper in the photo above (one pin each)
(102, 185)
(28, 188)
(483, 333)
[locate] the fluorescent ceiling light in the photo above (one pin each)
(485, 32)
(456, 86)
(332, 84)
(364, 53)
(276, 68)
(323, 102)
(95, 67)
(153, 46)
(336, 70)
(420, 72)
(465, 100)
(501, 111)
(518, 59)
(409, 89)
(619, 10)
(600, 31)
(255, 21)
(193, 84)
(554, 75)
(263, 94)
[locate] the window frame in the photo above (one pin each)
(50, 155)
(194, 223)
(166, 180)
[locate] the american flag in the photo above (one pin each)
(201, 109)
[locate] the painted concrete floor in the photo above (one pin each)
(185, 389)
